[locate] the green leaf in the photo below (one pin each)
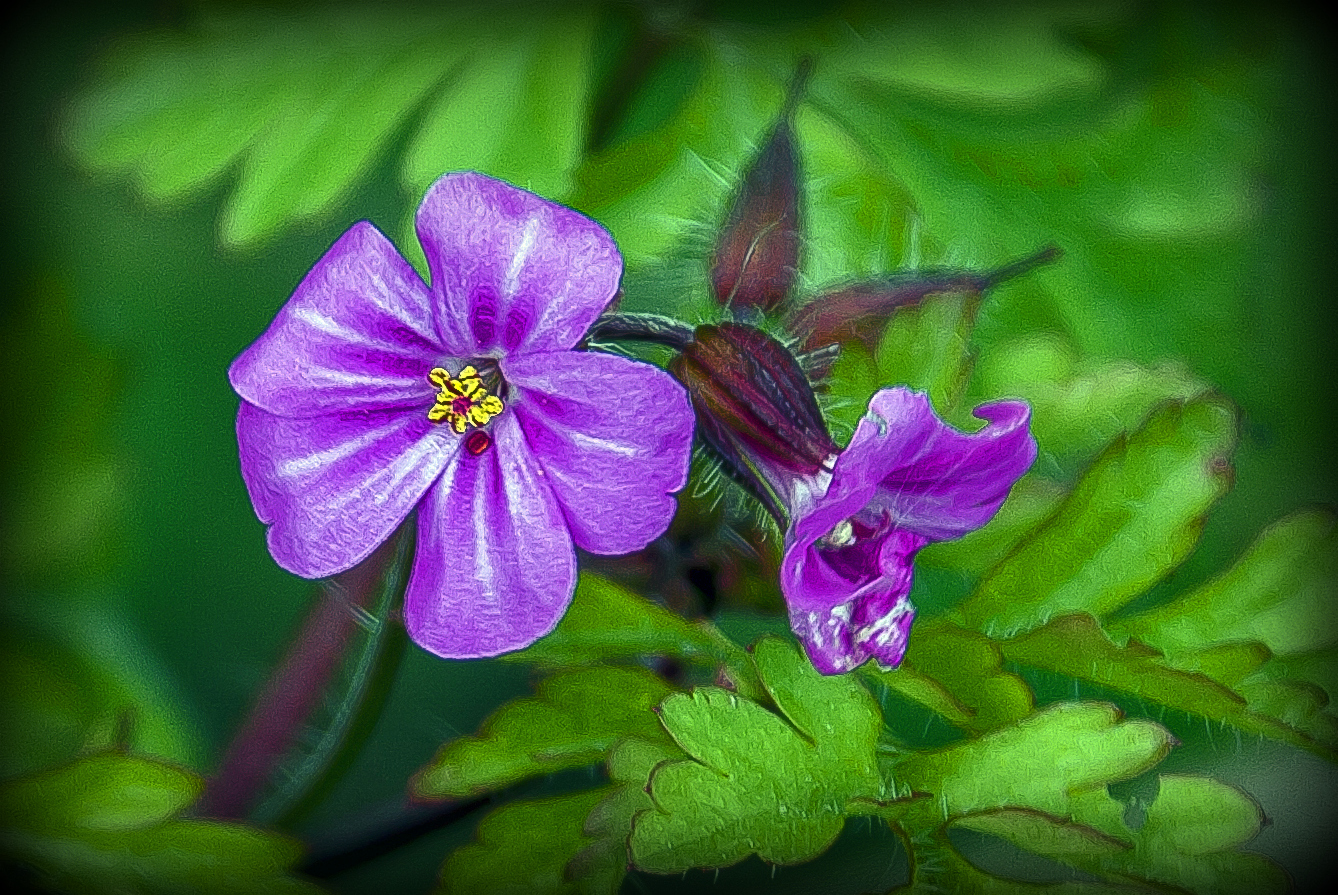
(1076, 646)
(524, 847)
(959, 674)
(1078, 405)
(1029, 503)
(926, 347)
(607, 621)
(574, 720)
(1188, 840)
(1132, 518)
(1038, 763)
(302, 105)
(1283, 593)
(757, 783)
(106, 824)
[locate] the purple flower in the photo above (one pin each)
(373, 394)
(906, 479)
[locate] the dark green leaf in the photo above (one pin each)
(524, 848)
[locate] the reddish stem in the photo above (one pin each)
(294, 689)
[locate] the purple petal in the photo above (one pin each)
(513, 272)
(923, 474)
(495, 569)
(357, 333)
(333, 488)
(612, 438)
(844, 620)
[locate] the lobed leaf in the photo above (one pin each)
(1076, 646)
(757, 783)
(1132, 517)
(1038, 763)
(959, 674)
(1282, 593)
(524, 847)
(573, 721)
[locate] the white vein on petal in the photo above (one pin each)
(300, 466)
(326, 324)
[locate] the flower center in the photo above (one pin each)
(462, 401)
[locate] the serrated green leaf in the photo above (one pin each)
(1036, 763)
(754, 783)
(524, 847)
(574, 720)
(1283, 593)
(607, 621)
(959, 674)
(1134, 515)
(1187, 840)
(1076, 646)
(105, 824)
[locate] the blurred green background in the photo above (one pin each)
(172, 170)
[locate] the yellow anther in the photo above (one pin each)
(462, 400)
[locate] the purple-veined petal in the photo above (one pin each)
(495, 568)
(357, 333)
(612, 437)
(514, 273)
(332, 488)
(925, 475)
(844, 620)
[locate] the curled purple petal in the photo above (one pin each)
(357, 333)
(906, 479)
(332, 488)
(494, 569)
(611, 436)
(513, 273)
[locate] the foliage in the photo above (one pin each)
(1160, 146)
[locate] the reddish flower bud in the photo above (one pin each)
(757, 254)
(753, 403)
(855, 311)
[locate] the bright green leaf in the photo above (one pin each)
(607, 621)
(1078, 406)
(1046, 835)
(1076, 646)
(1037, 763)
(524, 847)
(574, 720)
(1283, 593)
(1134, 515)
(755, 783)
(959, 674)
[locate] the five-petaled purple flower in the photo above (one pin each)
(373, 394)
(906, 479)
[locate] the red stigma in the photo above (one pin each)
(477, 442)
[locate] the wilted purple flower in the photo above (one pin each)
(905, 480)
(853, 519)
(373, 394)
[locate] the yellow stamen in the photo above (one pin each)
(462, 400)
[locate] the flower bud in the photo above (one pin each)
(757, 254)
(755, 407)
(858, 310)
